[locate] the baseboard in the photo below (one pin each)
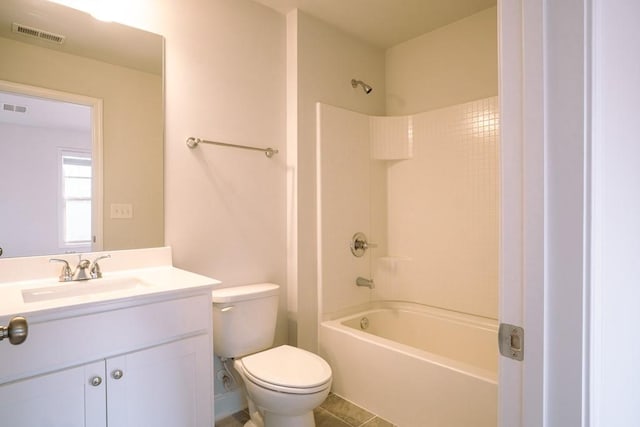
(229, 403)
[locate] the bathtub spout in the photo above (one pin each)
(361, 281)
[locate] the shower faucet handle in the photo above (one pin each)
(359, 244)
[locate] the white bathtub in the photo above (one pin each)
(414, 365)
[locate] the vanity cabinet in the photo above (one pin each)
(160, 386)
(142, 365)
(57, 399)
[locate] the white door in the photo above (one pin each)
(164, 386)
(67, 398)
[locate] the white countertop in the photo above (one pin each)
(156, 281)
(160, 281)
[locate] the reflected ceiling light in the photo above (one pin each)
(104, 10)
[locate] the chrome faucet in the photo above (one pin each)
(368, 283)
(85, 269)
(82, 270)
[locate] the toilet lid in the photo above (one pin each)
(287, 367)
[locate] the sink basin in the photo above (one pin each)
(84, 287)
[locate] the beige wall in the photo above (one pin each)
(132, 132)
(323, 64)
(225, 80)
(451, 65)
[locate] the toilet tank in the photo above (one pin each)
(244, 319)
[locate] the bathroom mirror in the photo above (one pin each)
(49, 47)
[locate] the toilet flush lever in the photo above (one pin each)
(359, 244)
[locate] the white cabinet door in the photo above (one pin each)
(163, 386)
(65, 398)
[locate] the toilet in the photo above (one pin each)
(282, 384)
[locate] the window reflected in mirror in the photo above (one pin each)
(75, 196)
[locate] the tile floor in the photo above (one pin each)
(334, 412)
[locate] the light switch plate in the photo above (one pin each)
(121, 211)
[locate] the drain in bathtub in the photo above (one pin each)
(364, 323)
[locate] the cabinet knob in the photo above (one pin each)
(17, 330)
(117, 374)
(95, 381)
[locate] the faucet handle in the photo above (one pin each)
(65, 274)
(359, 244)
(96, 273)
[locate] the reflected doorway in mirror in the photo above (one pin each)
(50, 152)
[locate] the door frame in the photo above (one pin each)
(545, 51)
(521, 288)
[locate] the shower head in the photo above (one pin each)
(367, 89)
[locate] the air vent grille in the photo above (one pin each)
(37, 33)
(14, 108)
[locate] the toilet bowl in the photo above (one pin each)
(284, 384)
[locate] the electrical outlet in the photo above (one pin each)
(121, 210)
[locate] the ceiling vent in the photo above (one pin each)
(15, 108)
(36, 33)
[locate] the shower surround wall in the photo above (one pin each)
(432, 207)
(442, 206)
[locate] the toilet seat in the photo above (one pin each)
(287, 369)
